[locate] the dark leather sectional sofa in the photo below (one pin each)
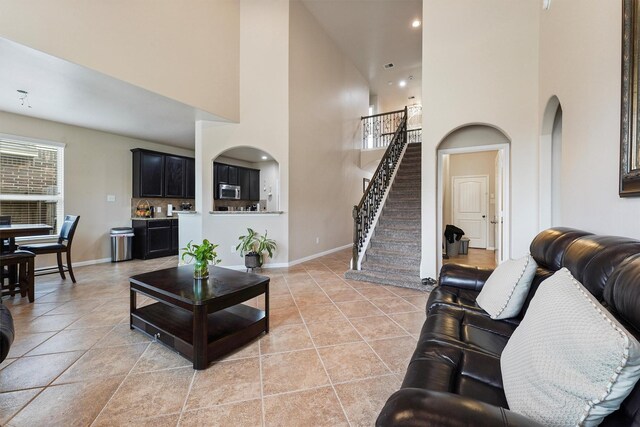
(6, 331)
(454, 377)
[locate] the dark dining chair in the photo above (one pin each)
(4, 244)
(62, 246)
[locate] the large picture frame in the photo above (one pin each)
(630, 119)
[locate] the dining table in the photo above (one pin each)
(10, 232)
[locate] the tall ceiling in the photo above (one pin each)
(370, 32)
(64, 92)
(373, 33)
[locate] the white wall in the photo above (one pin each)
(580, 43)
(481, 67)
(264, 118)
(327, 97)
(95, 164)
(187, 53)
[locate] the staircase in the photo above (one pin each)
(393, 255)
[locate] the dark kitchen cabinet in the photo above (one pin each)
(162, 175)
(191, 178)
(175, 179)
(247, 179)
(244, 182)
(155, 238)
(254, 185)
(148, 174)
(233, 175)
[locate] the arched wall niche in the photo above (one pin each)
(550, 165)
(250, 157)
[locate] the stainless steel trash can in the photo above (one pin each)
(121, 243)
(464, 246)
(453, 248)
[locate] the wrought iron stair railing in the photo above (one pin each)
(364, 214)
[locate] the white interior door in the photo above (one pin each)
(470, 207)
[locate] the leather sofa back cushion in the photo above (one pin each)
(504, 293)
(549, 246)
(568, 363)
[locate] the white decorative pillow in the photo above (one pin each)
(505, 291)
(569, 362)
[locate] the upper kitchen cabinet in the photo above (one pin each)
(175, 176)
(254, 184)
(162, 175)
(148, 174)
(191, 179)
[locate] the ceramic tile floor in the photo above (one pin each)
(336, 351)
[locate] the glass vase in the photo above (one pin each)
(200, 270)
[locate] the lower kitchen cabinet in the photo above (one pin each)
(155, 238)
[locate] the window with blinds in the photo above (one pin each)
(32, 181)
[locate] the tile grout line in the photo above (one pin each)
(54, 379)
(186, 397)
(120, 385)
(335, 392)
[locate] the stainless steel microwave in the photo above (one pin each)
(227, 191)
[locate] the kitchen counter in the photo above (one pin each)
(229, 213)
(160, 218)
(157, 218)
(185, 212)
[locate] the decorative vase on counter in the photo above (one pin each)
(200, 270)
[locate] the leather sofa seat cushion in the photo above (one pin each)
(466, 372)
(465, 328)
(452, 296)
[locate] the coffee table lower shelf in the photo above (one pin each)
(227, 329)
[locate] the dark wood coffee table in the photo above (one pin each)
(201, 320)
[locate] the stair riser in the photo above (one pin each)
(394, 246)
(387, 270)
(401, 261)
(390, 223)
(397, 234)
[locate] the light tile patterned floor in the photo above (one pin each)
(336, 351)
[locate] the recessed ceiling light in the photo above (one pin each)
(416, 23)
(402, 83)
(264, 157)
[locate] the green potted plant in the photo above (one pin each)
(204, 254)
(253, 245)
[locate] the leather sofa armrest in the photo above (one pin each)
(413, 407)
(6, 331)
(463, 276)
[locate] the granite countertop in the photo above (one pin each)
(157, 218)
(245, 212)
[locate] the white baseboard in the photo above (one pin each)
(318, 255)
(491, 248)
(232, 267)
(291, 263)
(80, 263)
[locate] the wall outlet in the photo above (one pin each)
(317, 240)
(158, 209)
(111, 198)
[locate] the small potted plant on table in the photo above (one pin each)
(204, 254)
(253, 245)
